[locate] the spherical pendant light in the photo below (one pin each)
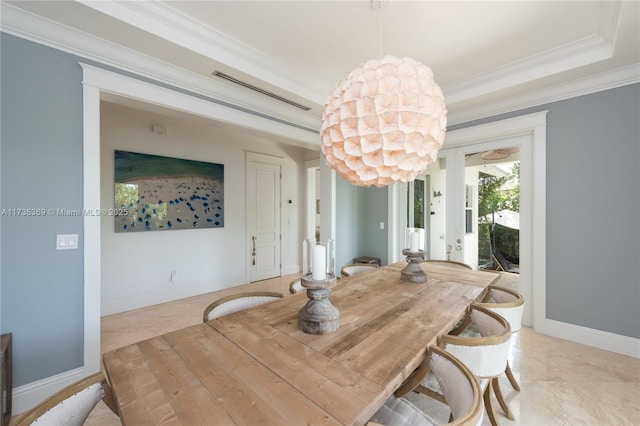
(384, 123)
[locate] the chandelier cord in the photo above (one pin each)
(379, 28)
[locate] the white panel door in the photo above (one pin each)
(263, 215)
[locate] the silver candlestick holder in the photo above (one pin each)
(318, 316)
(413, 272)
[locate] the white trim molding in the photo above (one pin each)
(49, 33)
(591, 337)
(169, 23)
(570, 56)
(533, 197)
(593, 84)
(28, 396)
(535, 125)
(164, 21)
(129, 87)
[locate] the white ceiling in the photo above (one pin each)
(489, 57)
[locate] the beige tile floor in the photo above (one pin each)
(563, 383)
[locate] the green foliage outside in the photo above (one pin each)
(495, 194)
(142, 215)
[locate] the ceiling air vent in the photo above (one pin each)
(259, 90)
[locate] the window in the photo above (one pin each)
(468, 209)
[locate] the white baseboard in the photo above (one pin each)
(591, 337)
(291, 269)
(179, 292)
(149, 299)
(27, 396)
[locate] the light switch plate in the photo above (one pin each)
(66, 241)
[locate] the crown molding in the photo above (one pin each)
(23, 24)
(604, 81)
(32, 27)
(570, 56)
(168, 23)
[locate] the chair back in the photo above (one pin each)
(459, 387)
(296, 286)
(238, 302)
(72, 405)
(457, 383)
(450, 263)
(507, 303)
(486, 356)
(356, 268)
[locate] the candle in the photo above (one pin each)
(414, 241)
(319, 271)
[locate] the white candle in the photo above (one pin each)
(414, 241)
(319, 271)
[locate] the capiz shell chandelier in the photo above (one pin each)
(384, 123)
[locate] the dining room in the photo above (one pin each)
(134, 76)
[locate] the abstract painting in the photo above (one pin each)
(154, 193)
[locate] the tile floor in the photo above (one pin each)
(563, 383)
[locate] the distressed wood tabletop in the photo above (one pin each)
(256, 367)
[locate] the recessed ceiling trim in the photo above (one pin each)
(559, 92)
(570, 56)
(259, 90)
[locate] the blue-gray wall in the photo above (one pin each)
(359, 212)
(593, 209)
(41, 137)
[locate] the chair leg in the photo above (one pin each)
(488, 405)
(500, 398)
(512, 379)
(431, 394)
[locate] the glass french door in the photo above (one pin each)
(471, 203)
(418, 208)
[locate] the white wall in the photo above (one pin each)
(136, 266)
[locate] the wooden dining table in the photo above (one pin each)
(255, 367)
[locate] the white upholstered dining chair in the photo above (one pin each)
(509, 304)
(459, 387)
(356, 268)
(238, 302)
(72, 405)
(295, 286)
(448, 262)
(485, 355)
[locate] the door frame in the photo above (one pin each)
(456, 181)
(254, 157)
(532, 202)
(310, 185)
